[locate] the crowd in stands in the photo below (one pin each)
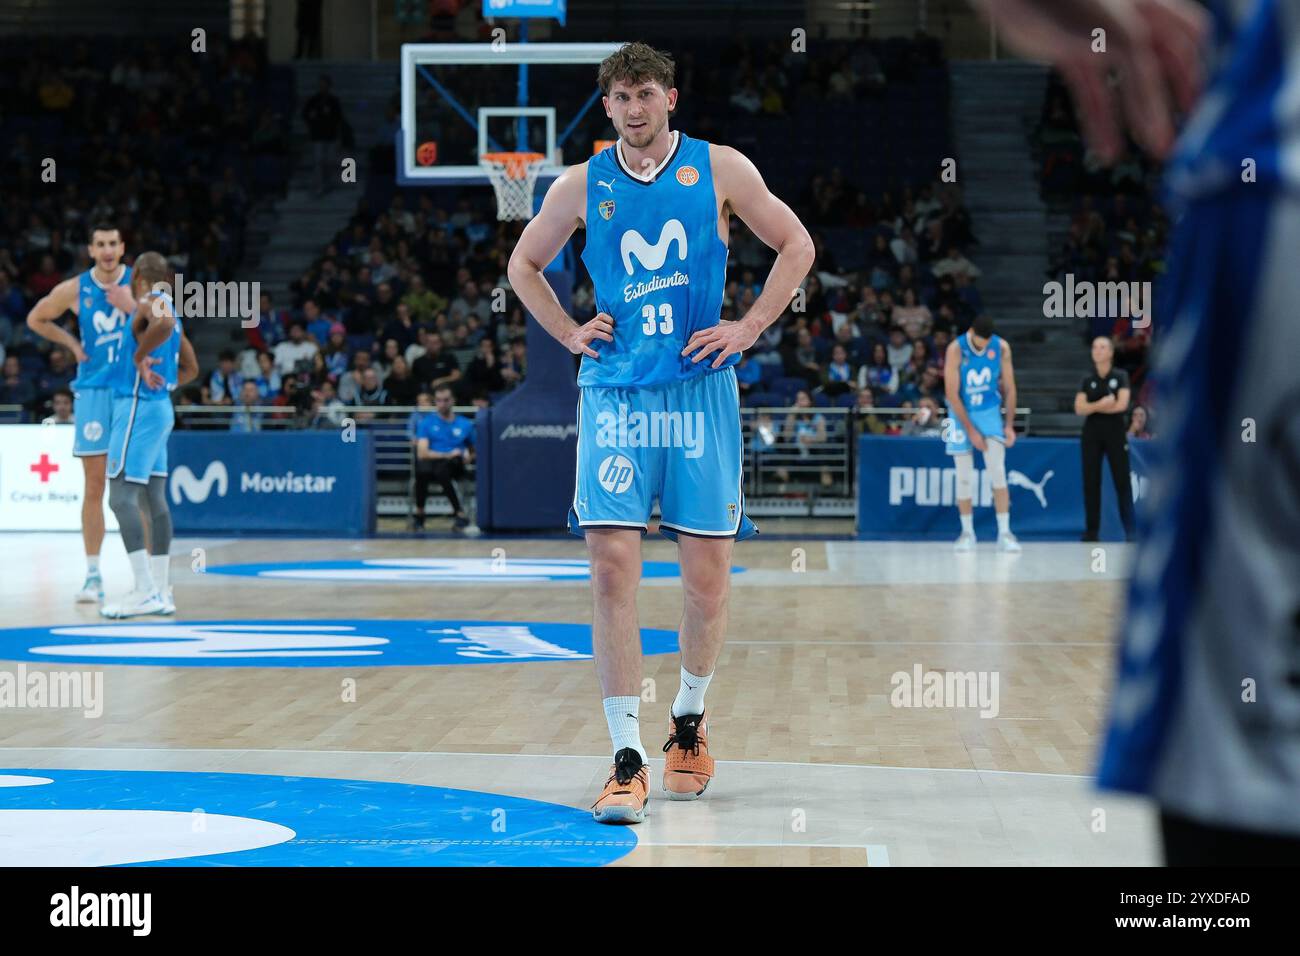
(1117, 228)
(174, 148)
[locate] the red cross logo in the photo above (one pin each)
(45, 468)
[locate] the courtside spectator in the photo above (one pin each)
(61, 403)
(294, 350)
(244, 418)
(444, 444)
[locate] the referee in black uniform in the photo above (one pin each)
(1103, 398)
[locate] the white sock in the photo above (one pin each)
(690, 696)
(92, 565)
(1004, 522)
(624, 727)
(160, 567)
(967, 523)
(140, 568)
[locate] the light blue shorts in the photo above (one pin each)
(678, 443)
(138, 445)
(92, 410)
(989, 423)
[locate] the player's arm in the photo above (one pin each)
(154, 322)
(1007, 383)
(187, 363)
(45, 314)
(952, 394)
(542, 239)
(423, 452)
(740, 186)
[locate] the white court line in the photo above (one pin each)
(471, 753)
(877, 855)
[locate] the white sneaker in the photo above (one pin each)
(168, 601)
(92, 592)
(134, 604)
(1008, 542)
(965, 543)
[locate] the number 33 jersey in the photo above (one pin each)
(657, 264)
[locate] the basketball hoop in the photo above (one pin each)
(513, 177)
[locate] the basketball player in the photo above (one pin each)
(1205, 715)
(158, 357)
(981, 390)
(658, 415)
(97, 347)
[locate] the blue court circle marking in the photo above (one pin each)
(311, 643)
(437, 570)
(333, 822)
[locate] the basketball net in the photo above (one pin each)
(513, 177)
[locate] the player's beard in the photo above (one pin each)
(640, 139)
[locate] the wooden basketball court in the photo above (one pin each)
(819, 761)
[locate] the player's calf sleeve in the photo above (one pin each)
(965, 464)
(160, 516)
(124, 499)
(995, 463)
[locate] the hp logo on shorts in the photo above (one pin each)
(615, 474)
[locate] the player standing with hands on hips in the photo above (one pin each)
(656, 207)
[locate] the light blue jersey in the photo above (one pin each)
(128, 381)
(981, 392)
(102, 328)
(657, 264)
(981, 375)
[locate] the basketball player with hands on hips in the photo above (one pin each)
(980, 387)
(97, 346)
(659, 406)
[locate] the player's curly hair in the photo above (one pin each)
(636, 63)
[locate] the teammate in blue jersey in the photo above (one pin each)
(1205, 711)
(97, 346)
(158, 358)
(659, 415)
(980, 387)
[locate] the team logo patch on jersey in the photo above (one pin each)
(87, 301)
(688, 175)
(92, 431)
(606, 209)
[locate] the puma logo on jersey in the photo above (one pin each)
(608, 185)
(653, 256)
(1020, 480)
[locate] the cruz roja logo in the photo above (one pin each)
(197, 489)
(651, 430)
(615, 474)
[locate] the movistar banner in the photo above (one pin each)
(313, 482)
(907, 490)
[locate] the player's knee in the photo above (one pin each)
(995, 463)
(615, 568)
(706, 600)
(965, 476)
(123, 495)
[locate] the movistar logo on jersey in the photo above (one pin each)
(651, 430)
(105, 323)
(978, 378)
(652, 257)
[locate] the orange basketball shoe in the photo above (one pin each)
(627, 791)
(688, 768)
